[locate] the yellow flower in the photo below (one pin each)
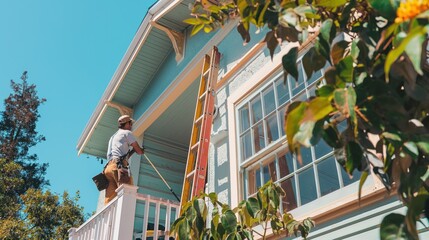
(410, 8)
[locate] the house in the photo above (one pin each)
(158, 82)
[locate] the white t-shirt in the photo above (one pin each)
(120, 143)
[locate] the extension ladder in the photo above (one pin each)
(196, 166)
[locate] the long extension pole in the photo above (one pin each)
(156, 170)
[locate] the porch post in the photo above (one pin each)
(72, 234)
(126, 207)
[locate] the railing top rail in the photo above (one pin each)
(150, 198)
(97, 214)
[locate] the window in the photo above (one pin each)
(260, 119)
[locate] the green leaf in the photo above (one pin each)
(262, 14)
(331, 137)
(183, 230)
(229, 221)
(197, 28)
(414, 50)
(345, 101)
(287, 33)
(394, 54)
(393, 227)
(327, 31)
(393, 137)
(362, 180)
(424, 146)
(243, 29)
(252, 206)
(192, 21)
(323, 48)
(312, 62)
(318, 108)
(330, 3)
(325, 91)
(355, 157)
(289, 63)
(208, 28)
(213, 197)
(387, 9)
(293, 119)
(345, 14)
(338, 51)
(248, 234)
(345, 69)
(272, 42)
(200, 206)
(411, 149)
(354, 50)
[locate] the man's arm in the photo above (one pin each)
(137, 148)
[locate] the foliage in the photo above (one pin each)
(26, 211)
(251, 217)
(43, 216)
(376, 81)
(18, 133)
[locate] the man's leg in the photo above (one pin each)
(111, 173)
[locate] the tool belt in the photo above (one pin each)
(124, 173)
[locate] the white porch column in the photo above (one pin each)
(126, 207)
(72, 234)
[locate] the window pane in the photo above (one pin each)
(342, 126)
(297, 85)
(282, 91)
(254, 180)
(286, 164)
(307, 186)
(328, 177)
(289, 201)
(270, 172)
(306, 157)
(269, 101)
(312, 90)
(316, 76)
(272, 128)
(244, 118)
(256, 109)
(282, 120)
(347, 180)
(321, 149)
(258, 178)
(246, 147)
(258, 137)
(301, 97)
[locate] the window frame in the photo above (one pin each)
(255, 85)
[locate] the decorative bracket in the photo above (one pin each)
(177, 39)
(121, 108)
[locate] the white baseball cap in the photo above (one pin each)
(124, 119)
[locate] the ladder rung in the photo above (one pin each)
(190, 174)
(202, 96)
(206, 73)
(195, 146)
(199, 119)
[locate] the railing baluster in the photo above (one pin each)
(103, 224)
(156, 224)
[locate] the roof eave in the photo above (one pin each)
(157, 10)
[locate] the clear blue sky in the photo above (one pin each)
(71, 50)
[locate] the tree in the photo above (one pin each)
(18, 133)
(43, 216)
(376, 82)
(27, 211)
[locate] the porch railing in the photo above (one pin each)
(116, 220)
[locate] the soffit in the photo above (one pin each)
(153, 51)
